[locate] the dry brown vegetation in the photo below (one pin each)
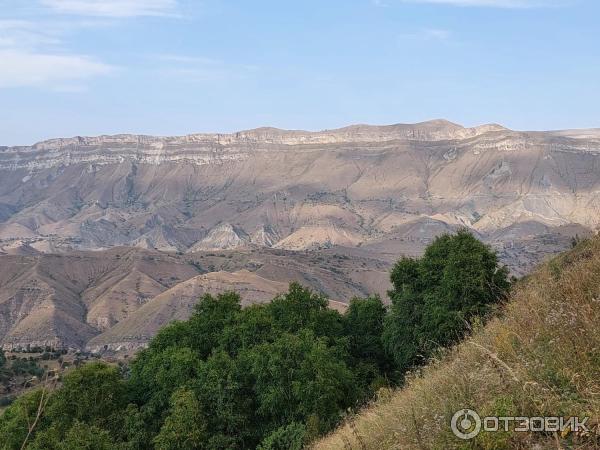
(541, 357)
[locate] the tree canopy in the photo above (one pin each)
(270, 376)
(434, 298)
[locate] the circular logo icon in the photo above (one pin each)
(465, 424)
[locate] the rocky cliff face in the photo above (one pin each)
(201, 149)
(359, 183)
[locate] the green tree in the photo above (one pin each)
(288, 437)
(253, 325)
(184, 427)
(156, 374)
(211, 316)
(136, 433)
(434, 298)
(16, 421)
(82, 436)
(299, 375)
(94, 393)
(202, 332)
(224, 388)
(300, 308)
(363, 323)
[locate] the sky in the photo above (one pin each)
(170, 67)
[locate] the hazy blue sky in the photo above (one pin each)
(87, 67)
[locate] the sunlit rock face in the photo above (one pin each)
(351, 186)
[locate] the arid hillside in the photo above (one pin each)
(104, 239)
(117, 299)
(539, 358)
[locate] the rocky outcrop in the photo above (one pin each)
(222, 237)
(264, 236)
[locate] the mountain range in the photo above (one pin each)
(104, 239)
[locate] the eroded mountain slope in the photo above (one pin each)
(330, 209)
(292, 189)
(118, 298)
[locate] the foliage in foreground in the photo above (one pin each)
(272, 376)
(540, 358)
(435, 298)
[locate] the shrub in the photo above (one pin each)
(434, 298)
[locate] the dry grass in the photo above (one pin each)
(541, 357)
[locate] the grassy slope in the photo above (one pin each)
(542, 357)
